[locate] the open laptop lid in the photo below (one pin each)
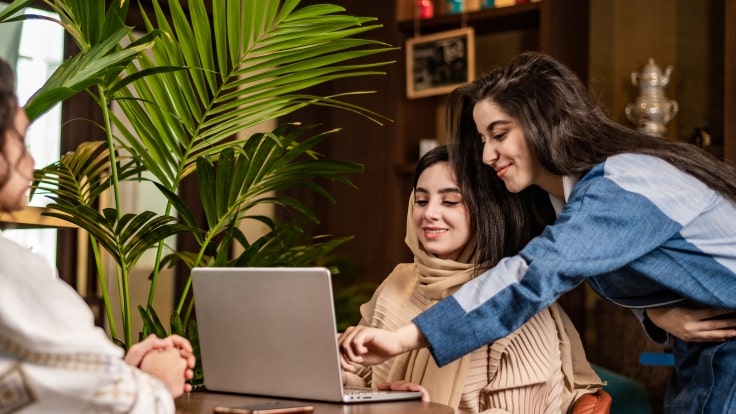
(268, 331)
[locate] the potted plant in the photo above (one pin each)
(186, 87)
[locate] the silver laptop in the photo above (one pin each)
(271, 331)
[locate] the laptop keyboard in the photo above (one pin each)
(358, 391)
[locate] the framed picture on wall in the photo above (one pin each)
(438, 63)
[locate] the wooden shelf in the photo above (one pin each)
(493, 20)
(32, 217)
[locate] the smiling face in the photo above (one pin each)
(441, 219)
(505, 150)
(16, 166)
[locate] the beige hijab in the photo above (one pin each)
(438, 278)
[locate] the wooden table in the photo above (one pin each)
(204, 402)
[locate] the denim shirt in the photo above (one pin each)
(639, 230)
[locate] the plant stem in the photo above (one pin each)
(157, 264)
(122, 266)
(188, 284)
(103, 287)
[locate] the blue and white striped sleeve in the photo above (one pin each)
(604, 226)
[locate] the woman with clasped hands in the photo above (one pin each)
(53, 359)
(647, 222)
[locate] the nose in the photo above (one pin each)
(490, 155)
(430, 213)
(27, 165)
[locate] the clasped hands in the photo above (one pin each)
(169, 359)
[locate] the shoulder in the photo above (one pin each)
(63, 319)
(403, 276)
(396, 283)
(18, 262)
(642, 173)
(674, 192)
(403, 272)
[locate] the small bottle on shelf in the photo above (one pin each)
(472, 5)
(504, 3)
(455, 6)
(425, 9)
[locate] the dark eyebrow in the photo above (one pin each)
(497, 123)
(449, 190)
(442, 190)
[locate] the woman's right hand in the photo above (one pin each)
(371, 346)
(695, 325)
(367, 346)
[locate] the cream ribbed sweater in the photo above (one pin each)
(532, 370)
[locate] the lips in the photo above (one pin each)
(432, 233)
(501, 171)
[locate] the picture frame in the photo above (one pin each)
(438, 63)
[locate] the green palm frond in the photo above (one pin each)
(283, 246)
(98, 34)
(152, 324)
(256, 66)
(99, 65)
(79, 177)
(267, 163)
(125, 239)
(11, 12)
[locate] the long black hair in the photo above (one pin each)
(8, 107)
(567, 132)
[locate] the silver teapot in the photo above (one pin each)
(651, 110)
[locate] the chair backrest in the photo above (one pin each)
(597, 403)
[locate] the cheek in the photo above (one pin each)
(467, 227)
(523, 151)
(27, 165)
(416, 220)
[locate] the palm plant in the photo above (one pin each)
(186, 87)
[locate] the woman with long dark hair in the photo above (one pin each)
(646, 221)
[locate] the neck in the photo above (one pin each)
(553, 185)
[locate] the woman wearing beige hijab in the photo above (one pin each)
(540, 368)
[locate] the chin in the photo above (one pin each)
(18, 206)
(435, 252)
(513, 189)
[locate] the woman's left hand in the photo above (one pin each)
(138, 351)
(695, 325)
(405, 386)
